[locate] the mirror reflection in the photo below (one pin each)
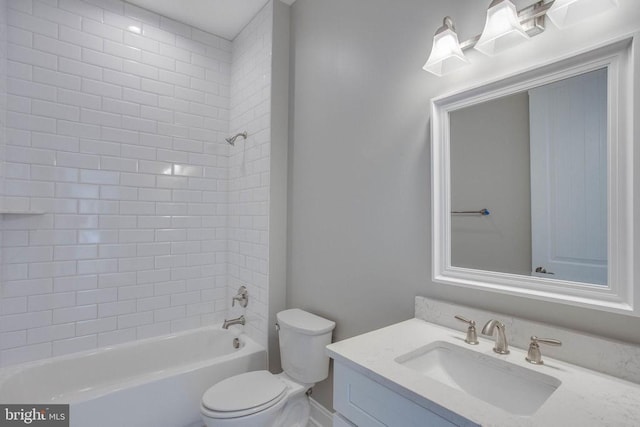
(537, 162)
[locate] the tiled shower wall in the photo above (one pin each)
(250, 168)
(116, 124)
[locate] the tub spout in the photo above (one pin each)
(238, 321)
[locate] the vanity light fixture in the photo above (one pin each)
(502, 29)
(565, 13)
(505, 27)
(446, 54)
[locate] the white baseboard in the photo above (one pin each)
(320, 416)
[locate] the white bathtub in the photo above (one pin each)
(154, 382)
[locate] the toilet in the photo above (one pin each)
(262, 399)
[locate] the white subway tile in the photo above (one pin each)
(140, 97)
(135, 319)
(17, 322)
(138, 69)
(73, 97)
(51, 237)
(159, 61)
(56, 47)
(98, 207)
(175, 52)
(141, 125)
(120, 135)
(117, 250)
(170, 313)
(96, 296)
(121, 79)
(120, 21)
(97, 236)
(76, 221)
(21, 288)
(157, 114)
(137, 179)
(26, 353)
(26, 254)
(119, 164)
(101, 30)
(147, 249)
(30, 89)
(13, 339)
(120, 107)
(100, 266)
(116, 337)
(32, 23)
(153, 303)
(57, 15)
(136, 236)
(122, 51)
(94, 326)
(82, 8)
(100, 88)
(108, 309)
(32, 57)
(157, 141)
(134, 292)
(72, 345)
(91, 146)
(81, 130)
(140, 42)
(25, 6)
(154, 221)
(142, 15)
(50, 333)
(51, 301)
(55, 110)
(77, 160)
(75, 252)
(137, 208)
(19, 36)
(102, 59)
(112, 192)
(190, 69)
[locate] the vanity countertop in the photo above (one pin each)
(585, 397)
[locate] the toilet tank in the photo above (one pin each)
(303, 338)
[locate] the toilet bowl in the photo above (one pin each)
(263, 399)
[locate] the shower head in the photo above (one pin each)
(232, 139)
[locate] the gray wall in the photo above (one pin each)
(359, 245)
(490, 170)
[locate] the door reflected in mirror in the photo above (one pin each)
(537, 161)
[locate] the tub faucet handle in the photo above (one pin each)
(242, 297)
(472, 335)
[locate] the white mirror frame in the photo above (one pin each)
(619, 294)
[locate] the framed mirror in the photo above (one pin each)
(532, 182)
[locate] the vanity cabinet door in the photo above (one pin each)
(365, 403)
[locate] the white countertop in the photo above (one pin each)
(585, 398)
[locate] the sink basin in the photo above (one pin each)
(515, 389)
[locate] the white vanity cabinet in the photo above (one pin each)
(362, 402)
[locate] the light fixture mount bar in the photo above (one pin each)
(532, 19)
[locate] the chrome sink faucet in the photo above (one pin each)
(501, 347)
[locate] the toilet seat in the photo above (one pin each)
(243, 395)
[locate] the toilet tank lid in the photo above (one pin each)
(304, 322)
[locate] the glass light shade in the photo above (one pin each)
(502, 29)
(446, 55)
(565, 13)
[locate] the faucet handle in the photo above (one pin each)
(472, 336)
(242, 297)
(534, 355)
